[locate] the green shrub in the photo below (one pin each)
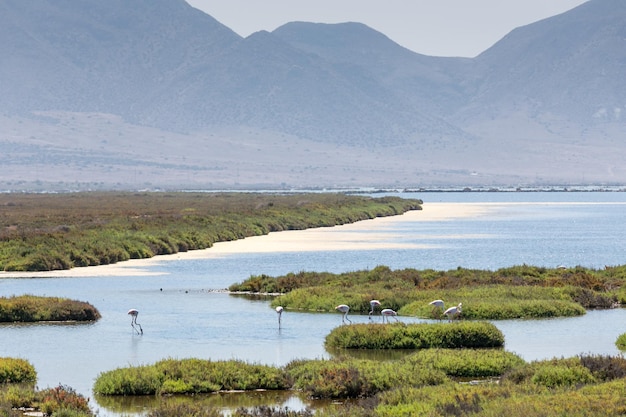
(556, 373)
(15, 395)
(416, 336)
(189, 376)
(13, 370)
(63, 401)
(467, 363)
(353, 378)
(30, 308)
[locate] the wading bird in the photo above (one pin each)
(438, 307)
(387, 312)
(373, 305)
(453, 312)
(344, 309)
(133, 321)
(279, 311)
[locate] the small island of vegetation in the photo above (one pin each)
(508, 293)
(30, 308)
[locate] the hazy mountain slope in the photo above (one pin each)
(569, 66)
(428, 82)
(99, 56)
(153, 92)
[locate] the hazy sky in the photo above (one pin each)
(431, 27)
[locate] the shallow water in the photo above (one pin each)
(183, 314)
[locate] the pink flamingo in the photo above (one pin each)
(133, 322)
(343, 309)
(387, 312)
(373, 305)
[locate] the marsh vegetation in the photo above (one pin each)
(509, 293)
(41, 232)
(429, 382)
(31, 308)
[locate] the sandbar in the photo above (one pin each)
(363, 235)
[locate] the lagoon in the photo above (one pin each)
(185, 312)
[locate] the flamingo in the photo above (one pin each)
(387, 312)
(279, 311)
(438, 307)
(133, 321)
(373, 305)
(453, 312)
(343, 309)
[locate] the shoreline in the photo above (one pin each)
(348, 236)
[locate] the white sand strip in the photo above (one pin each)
(345, 237)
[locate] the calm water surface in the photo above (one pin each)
(183, 315)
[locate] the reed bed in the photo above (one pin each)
(41, 232)
(30, 308)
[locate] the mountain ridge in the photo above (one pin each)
(304, 105)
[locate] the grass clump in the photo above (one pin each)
(30, 308)
(416, 336)
(189, 376)
(16, 371)
(621, 341)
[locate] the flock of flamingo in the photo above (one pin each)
(451, 313)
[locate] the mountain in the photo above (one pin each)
(155, 93)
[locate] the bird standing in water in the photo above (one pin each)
(344, 309)
(279, 311)
(373, 305)
(133, 321)
(438, 308)
(387, 312)
(453, 312)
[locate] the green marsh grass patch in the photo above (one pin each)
(486, 295)
(357, 378)
(189, 376)
(467, 363)
(30, 308)
(495, 400)
(500, 302)
(62, 231)
(455, 335)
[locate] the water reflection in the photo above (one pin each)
(227, 401)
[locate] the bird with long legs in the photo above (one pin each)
(387, 312)
(133, 321)
(453, 312)
(373, 305)
(279, 311)
(343, 309)
(438, 308)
